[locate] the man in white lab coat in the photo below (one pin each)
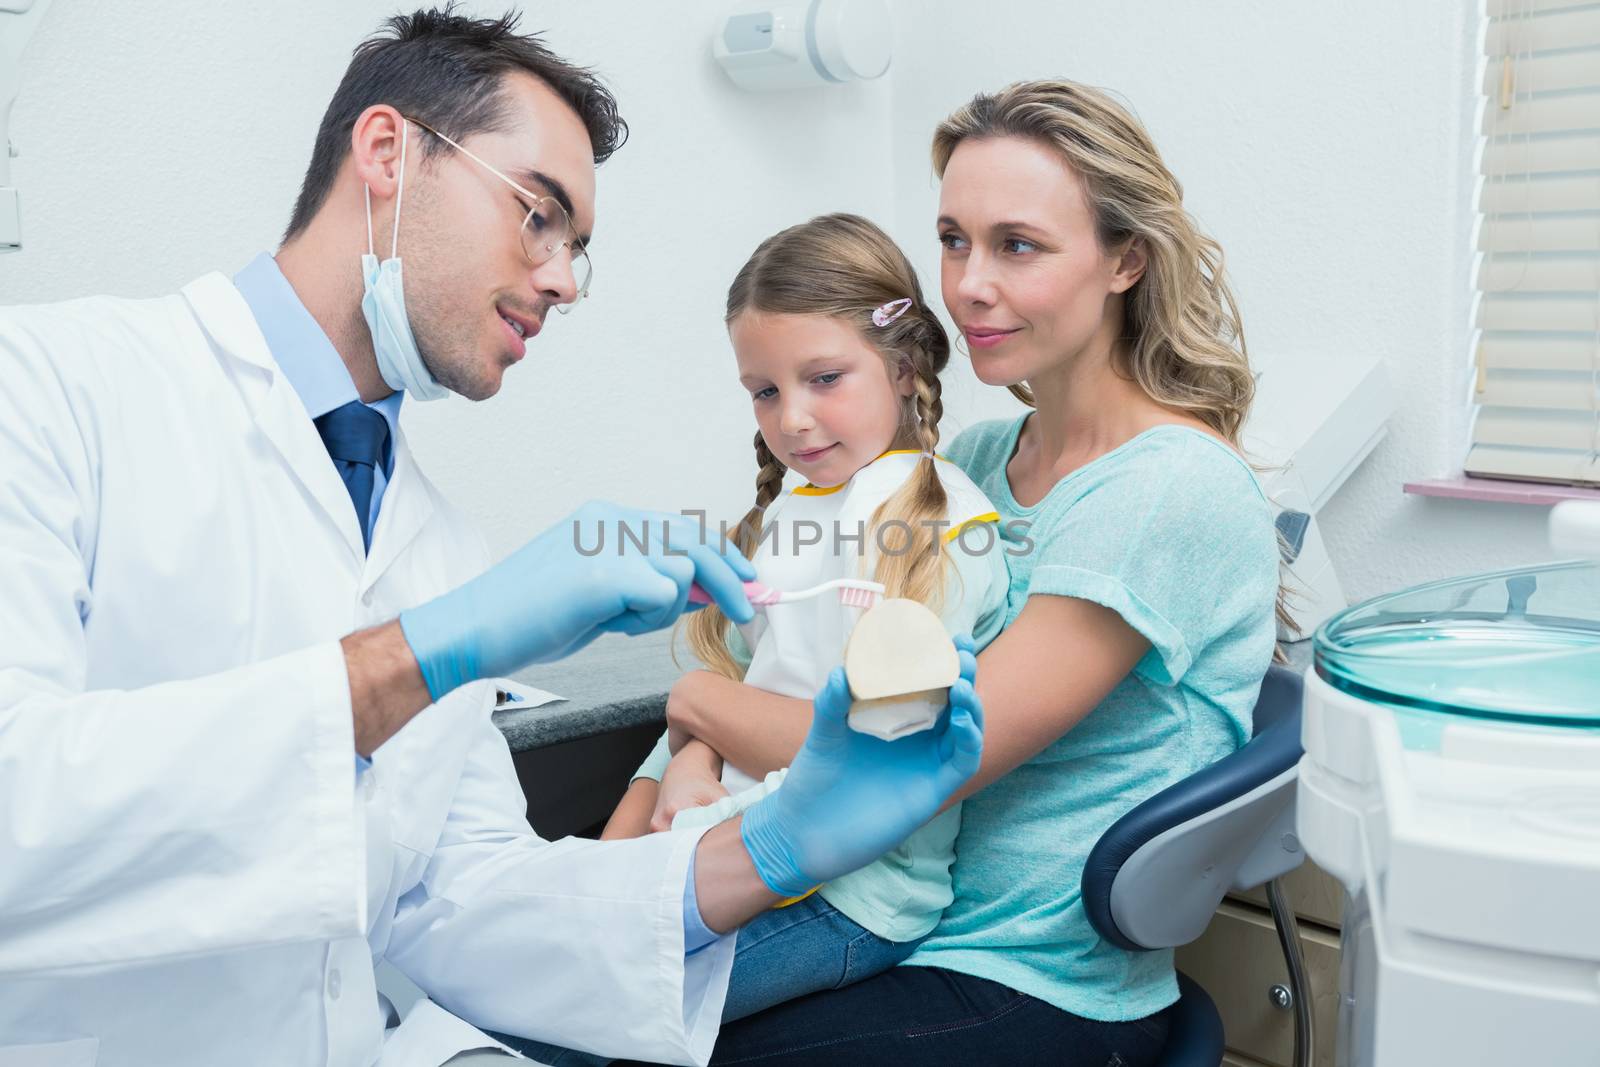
(245, 743)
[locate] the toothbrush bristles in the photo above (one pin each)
(857, 598)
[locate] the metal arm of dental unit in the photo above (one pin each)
(18, 20)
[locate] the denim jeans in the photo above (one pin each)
(935, 1018)
(781, 954)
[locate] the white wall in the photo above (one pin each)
(1326, 145)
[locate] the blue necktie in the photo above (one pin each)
(355, 437)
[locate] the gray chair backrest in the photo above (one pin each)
(1156, 877)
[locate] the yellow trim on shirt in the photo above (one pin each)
(811, 490)
(795, 900)
(993, 516)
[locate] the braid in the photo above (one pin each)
(769, 480)
(769, 483)
(915, 566)
(930, 409)
(708, 628)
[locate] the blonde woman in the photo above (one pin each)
(1139, 622)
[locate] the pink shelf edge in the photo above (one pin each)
(1500, 491)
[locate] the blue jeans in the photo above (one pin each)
(935, 1018)
(781, 954)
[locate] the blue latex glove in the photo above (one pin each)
(851, 797)
(547, 600)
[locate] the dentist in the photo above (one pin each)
(245, 743)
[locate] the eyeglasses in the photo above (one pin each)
(546, 228)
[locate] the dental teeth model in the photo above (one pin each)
(901, 664)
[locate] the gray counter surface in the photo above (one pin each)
(619, 682)
(615, 683)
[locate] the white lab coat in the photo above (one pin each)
(190, 870)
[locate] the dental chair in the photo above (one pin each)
(1156, 876)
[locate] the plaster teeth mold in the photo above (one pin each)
(901, 664)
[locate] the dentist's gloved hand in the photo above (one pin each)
(548, 599)
(851, 797)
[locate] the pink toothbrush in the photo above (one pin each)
(853, 592)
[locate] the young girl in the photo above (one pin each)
(841, 358)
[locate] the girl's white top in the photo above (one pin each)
(813, 535)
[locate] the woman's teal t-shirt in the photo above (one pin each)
(1171, 531)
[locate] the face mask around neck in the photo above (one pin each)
(383, 304)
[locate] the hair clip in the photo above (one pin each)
(884, 314)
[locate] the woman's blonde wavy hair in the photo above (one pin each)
(844, 267)
(1182, 339)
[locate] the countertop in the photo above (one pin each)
(618, 682)
(614, 683)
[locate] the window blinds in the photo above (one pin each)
(1538, 277)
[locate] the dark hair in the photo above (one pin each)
(445, 69)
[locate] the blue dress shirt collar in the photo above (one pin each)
(302, 351)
